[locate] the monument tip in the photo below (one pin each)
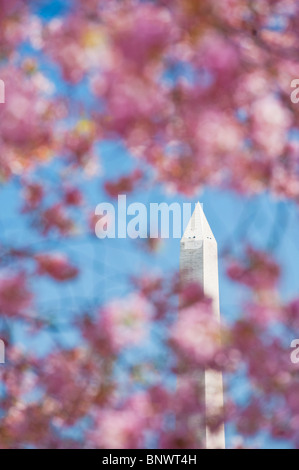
(198, 227)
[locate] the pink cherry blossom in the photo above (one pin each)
(123, 427)
(120, 324)
(56, 265)
(196, 333)
(73, 197)
(259, 271)
(55, 218)
(15, 296)
(124, 185)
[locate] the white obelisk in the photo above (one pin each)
(199, 263)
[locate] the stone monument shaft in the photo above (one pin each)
(199, 263)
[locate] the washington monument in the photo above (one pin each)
(199, 263)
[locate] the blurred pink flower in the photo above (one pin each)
(196, 334)
(15, 297)
(56, 265)
(25, 142)
(125, 184)
(55, 217)
(142, 33)
(259, 271)
(271, 122)
(123, 427)
(120, 324)
(33, 195)
(73, 197)
(251, 419)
